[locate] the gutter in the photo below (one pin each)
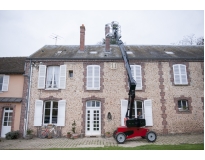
(189, 59)
(28, 102)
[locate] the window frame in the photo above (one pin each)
(181, 108)
(135, 76)
(136, 109)
(42, 77)
(5, 83)
(180, 74)
(95, 106)
(53, 76)
(51, 112)
(92, 77)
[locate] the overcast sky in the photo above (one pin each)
(22, 32)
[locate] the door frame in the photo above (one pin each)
(2, 106)
(100, 121)
(84, 100)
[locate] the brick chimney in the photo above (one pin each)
(107, 40)
(82, 37)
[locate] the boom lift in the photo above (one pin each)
(135, 127)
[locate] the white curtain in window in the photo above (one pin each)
(52, 79)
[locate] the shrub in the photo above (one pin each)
(12, 135)
(29, 131)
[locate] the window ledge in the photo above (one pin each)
(181, 84)
(48, 89)
(94, 89)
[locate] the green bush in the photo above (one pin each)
(12, 135)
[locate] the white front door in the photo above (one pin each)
(93, 118)
(6, 121)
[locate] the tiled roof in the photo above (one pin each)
(12, 65)
(10, 100)
(144, 52)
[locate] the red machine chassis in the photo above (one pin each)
(131, 132)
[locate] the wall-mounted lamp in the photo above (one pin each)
(109, 116)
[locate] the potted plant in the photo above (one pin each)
(68, 134)
(29, 134)
(108, 134)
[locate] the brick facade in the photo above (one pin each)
(157, 81)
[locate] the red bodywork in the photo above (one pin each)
(132, 132)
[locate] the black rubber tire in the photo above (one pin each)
(151, 136)
(120, 137)
(114, 133)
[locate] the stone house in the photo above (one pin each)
(89, 84)
(11, 91)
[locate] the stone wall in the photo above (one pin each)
(157, 86)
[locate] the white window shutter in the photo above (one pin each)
(89, 77)
(183, 74)
(124, 104)
(62, 81)
(61, 113)
(148, 112)
(176, 74)
(38, 113)
(96, 77)
(93, 77)
(41, 76)
(5, 85)
(138, 76)
(180, 74)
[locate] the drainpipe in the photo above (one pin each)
(28, 101)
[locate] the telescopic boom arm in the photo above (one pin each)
(115, 34)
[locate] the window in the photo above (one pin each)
(4, 82)
(52, 77)
(137, 75)
(145, 107)
(70, 73)
(138, 109)
(49, 112)
(93, 104)
(180, 74)
(93, 77)
(183, 105)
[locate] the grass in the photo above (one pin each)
(144, 147)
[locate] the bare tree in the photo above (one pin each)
(190, 40)
(200, 41)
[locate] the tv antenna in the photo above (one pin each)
(56, 37)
